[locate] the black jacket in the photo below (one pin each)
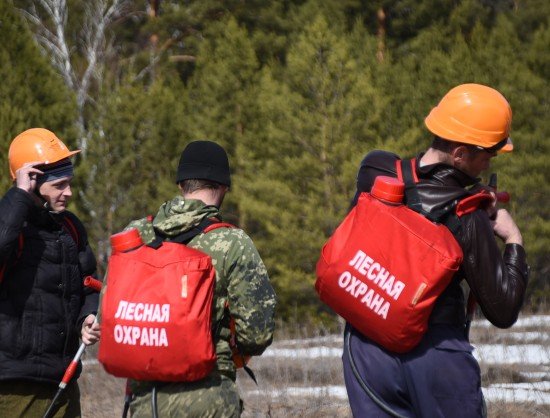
(498, 281)
(42, 297)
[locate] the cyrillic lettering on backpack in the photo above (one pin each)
(142, 312)
(144, 336)
(373, 271)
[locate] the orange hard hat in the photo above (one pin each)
(473, 114)
(36, 144)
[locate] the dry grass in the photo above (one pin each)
(519, 373)
(103, 395)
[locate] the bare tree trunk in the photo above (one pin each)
(51, 37)
(153, 11)
(381, 34)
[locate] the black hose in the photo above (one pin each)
(126, 407)
(154, 402)
(369, 391)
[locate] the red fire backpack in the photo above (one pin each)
(386, 264)
(156, 311)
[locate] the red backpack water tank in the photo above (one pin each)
(384, 267)
(156, 312)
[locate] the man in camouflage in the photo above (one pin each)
(242, 293)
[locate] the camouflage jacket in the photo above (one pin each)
(242, 292)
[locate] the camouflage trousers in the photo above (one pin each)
(27, 399)
(214, 397)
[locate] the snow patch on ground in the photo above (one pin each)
(538, 393)
(527, 354)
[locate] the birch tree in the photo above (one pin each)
(49, 18)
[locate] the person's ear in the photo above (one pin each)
(460, 154)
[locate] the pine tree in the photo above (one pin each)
(222, 98)
(313, 129)
(505, 60)
(440, 58)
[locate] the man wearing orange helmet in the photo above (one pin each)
(440, 377)
(44, 256)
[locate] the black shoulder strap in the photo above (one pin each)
(186, 236)
(406, 172)
(193, 232)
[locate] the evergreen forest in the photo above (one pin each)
(297, 91)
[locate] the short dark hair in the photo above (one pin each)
(447, 146)
(443, 145)
(193, 185)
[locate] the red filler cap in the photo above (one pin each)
(503, 197)
(388, 189)
(126, 240)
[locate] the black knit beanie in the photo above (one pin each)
(204, 160)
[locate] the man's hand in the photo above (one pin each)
(25, 177)
(505, 227)
(90, 330)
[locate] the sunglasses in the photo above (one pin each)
(498, 146)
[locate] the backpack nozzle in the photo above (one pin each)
(388, 189)
(126, 241)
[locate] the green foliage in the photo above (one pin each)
(222, 102)
(315, 125)
(130, 165)
(298, 92)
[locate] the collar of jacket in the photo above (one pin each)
(43, 218)
(180, 215)
(445, 174)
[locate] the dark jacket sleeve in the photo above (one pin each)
(14, 210)
(498, 281)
